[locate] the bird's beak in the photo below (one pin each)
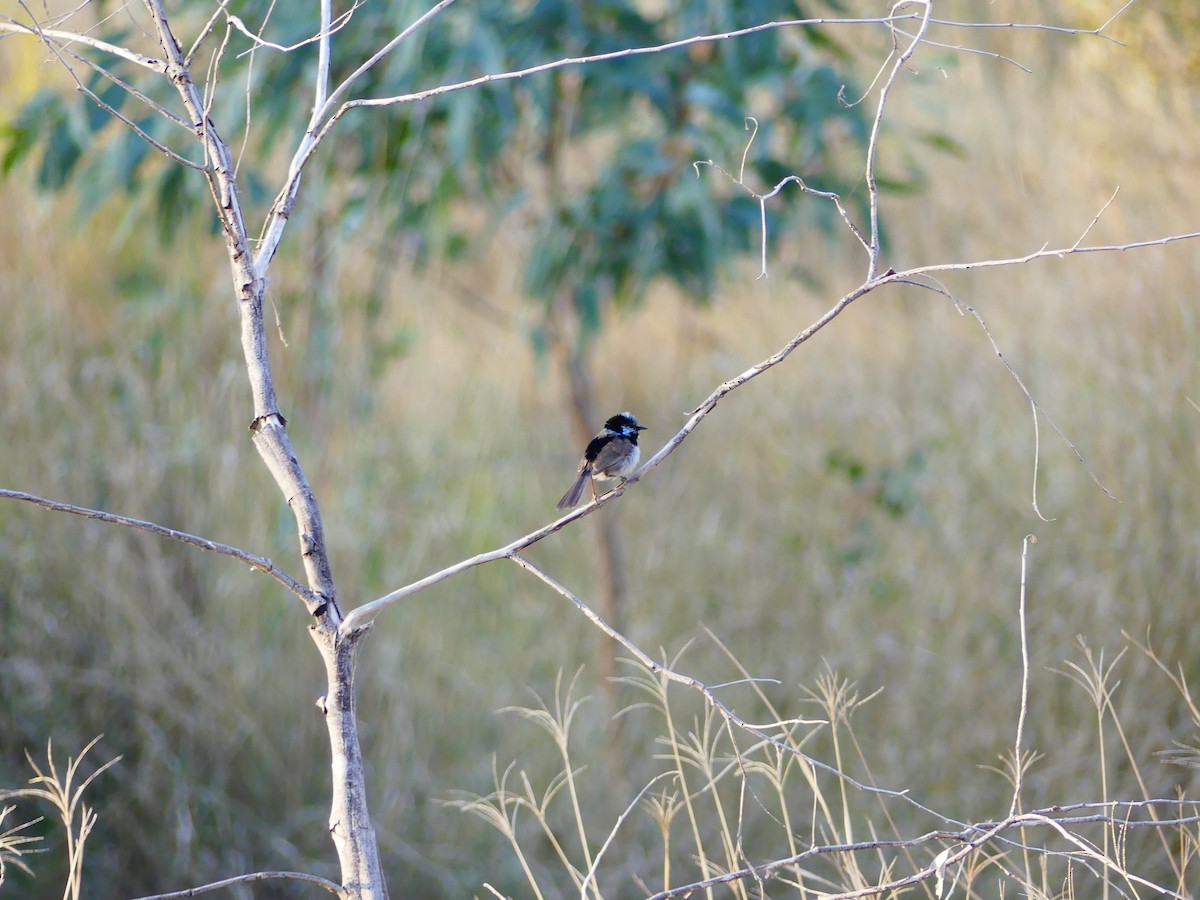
(640, 427)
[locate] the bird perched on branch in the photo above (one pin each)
(613, 453)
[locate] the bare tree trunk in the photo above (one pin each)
(350, 823)
(349, 820)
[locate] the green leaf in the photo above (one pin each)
(944, 142)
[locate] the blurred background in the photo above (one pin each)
(858, 509)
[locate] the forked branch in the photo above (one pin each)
(962, 843)
(760, 731)
(367, 612)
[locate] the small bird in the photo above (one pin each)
(613, 453)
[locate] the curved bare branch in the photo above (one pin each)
(258, 563)
(245, 879)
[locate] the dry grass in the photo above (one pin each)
(861, 507)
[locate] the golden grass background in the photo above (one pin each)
(860, 507)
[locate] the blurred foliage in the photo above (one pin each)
(593, 163)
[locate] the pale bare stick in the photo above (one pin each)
(730, 717)
(932, 284)
(58, 19)
(121, 117)
(1045, 253)
(213, 79)
(1112, 805)
(12, 26)
(59, 50)
(1096, 219)
(202, 36)
(362, 615)
(841, 94)
(259, 563)
(762, 198)
(746, 125)
(248, 94)
(328, 27)
(59, 46)
(245, 879)
(1036, 408)
(1018, 767)
(590, 876)
(971, 839)
(323, 123)
(604, 57)
(151, 104)
(971, 51)
(1060, 29)
(873, 142)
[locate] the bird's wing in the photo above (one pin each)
(595, 445)
(611, 454)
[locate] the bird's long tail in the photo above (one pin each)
(572, 497)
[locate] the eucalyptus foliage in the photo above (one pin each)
(592, 166)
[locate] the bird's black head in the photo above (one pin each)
(624, 424)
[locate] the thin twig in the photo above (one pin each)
(328, 27)
(590, 876)
(1058, 29)
(728, 715)
(606, 57)
(12, 26)
(154, 105)
(323, 123)
(260, 563)
(1113, 805)
(1096, 219)
(129, 123)
(762, 198)
(1044, 253)
(1037, 458)
(60, 49)
(324, 120)
(1112, 19)
(204, 32)
(873, 142)
(972, 51)
(932, 284)
(243, 879)
(1018, 767)
(971, 839)
(209, 96)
